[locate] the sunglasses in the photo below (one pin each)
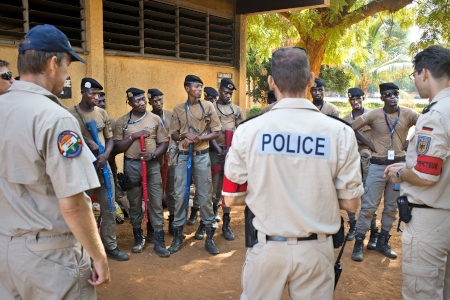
(6, 75)
(389, 95)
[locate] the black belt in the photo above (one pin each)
(385, 161)
(419, 205)
(284, 239)
(194, 152)
(131, 159)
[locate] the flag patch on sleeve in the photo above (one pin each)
(69, 144)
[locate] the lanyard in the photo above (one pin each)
(391, 130)
(353, 117)
(323, 102)
(204, 115)
(133, 122)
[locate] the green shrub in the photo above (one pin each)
(255, 110)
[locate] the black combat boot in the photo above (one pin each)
(371, 245)
(139, 240)
(210, 246)
(193, 217)
(171, 217)
(160, 246)
(117, 254)
(226, 229)
(383, 246)
(216, 213)
(200, 233)
(352, 230)
(177, 241)
(150, 233)
(358, 249)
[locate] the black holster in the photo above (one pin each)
(404, 211)
(125, 182)
(251, 234)
(339, 237)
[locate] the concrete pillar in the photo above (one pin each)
(94, 41)
(241, 63)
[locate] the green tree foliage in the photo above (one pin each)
(258, 69)
(336, 78)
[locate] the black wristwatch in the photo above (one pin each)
(399, 174)
(153, 155)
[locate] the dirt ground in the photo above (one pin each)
(192, 273)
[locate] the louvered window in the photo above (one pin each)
(167, 29)
(17, 17)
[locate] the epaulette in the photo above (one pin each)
(428, 107)
(248, 119)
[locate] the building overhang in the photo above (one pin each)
(271, 6)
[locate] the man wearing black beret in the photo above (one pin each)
(86, 111)
(210, 94)
(156, 99)
(194, 122)
(389, 129)
(129, 128)
(317, 92)
(355, 98)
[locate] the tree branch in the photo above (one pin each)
(285, 14)
(372, 8)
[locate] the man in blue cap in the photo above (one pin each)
(48, 234)
(86, 111)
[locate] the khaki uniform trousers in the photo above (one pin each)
(201, 174)
(307, 267)
(108, 217)
(44, 267)
(217, 182)
(374, 188)
(425, 255)
(170, 190)
(154, 191)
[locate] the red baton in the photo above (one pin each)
(144, 179)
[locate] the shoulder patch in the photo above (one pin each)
(423, 144)
(69, 144)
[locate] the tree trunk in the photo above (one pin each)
(316, 51)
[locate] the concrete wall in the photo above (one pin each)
(118, 73)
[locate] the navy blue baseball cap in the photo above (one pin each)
(48, 38)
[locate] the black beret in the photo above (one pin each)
(131, 92)
(319, 82)
(101, 94)
(388, 86)
(209, 91)
(227, 83)
(355, 92)
(154, 92)
(271, 95)
(192, 79)
(90, 83)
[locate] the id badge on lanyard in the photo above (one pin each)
(391, 152)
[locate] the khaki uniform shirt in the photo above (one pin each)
(151, 122)
(166, 118)
(180, 124)
(112, 123)
(34, 173)
(431, 139)
(365, 130)
(267, 108)
(100, 117)
(328, 109)
(298, 163)
(227, 119)
(380, 134)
